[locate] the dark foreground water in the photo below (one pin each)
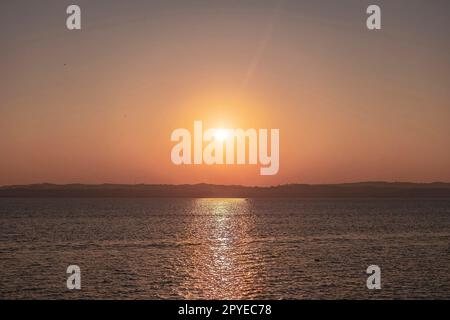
(224, 248)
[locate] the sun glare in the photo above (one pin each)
(221, 134)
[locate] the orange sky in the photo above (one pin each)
(99, 105)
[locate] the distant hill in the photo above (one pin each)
(346, 190)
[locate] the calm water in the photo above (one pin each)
(224, 248)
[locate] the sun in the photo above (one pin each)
(221, 134)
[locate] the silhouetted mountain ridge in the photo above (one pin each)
(202, 190)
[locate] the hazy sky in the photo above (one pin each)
(99, 105)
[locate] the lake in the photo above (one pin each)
(224, 248)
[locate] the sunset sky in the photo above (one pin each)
(99, 105)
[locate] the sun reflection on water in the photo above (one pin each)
(220, 266)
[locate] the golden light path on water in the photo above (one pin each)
(224, 267)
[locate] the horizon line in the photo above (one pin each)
(223, 185)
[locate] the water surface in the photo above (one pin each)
(224, 248)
